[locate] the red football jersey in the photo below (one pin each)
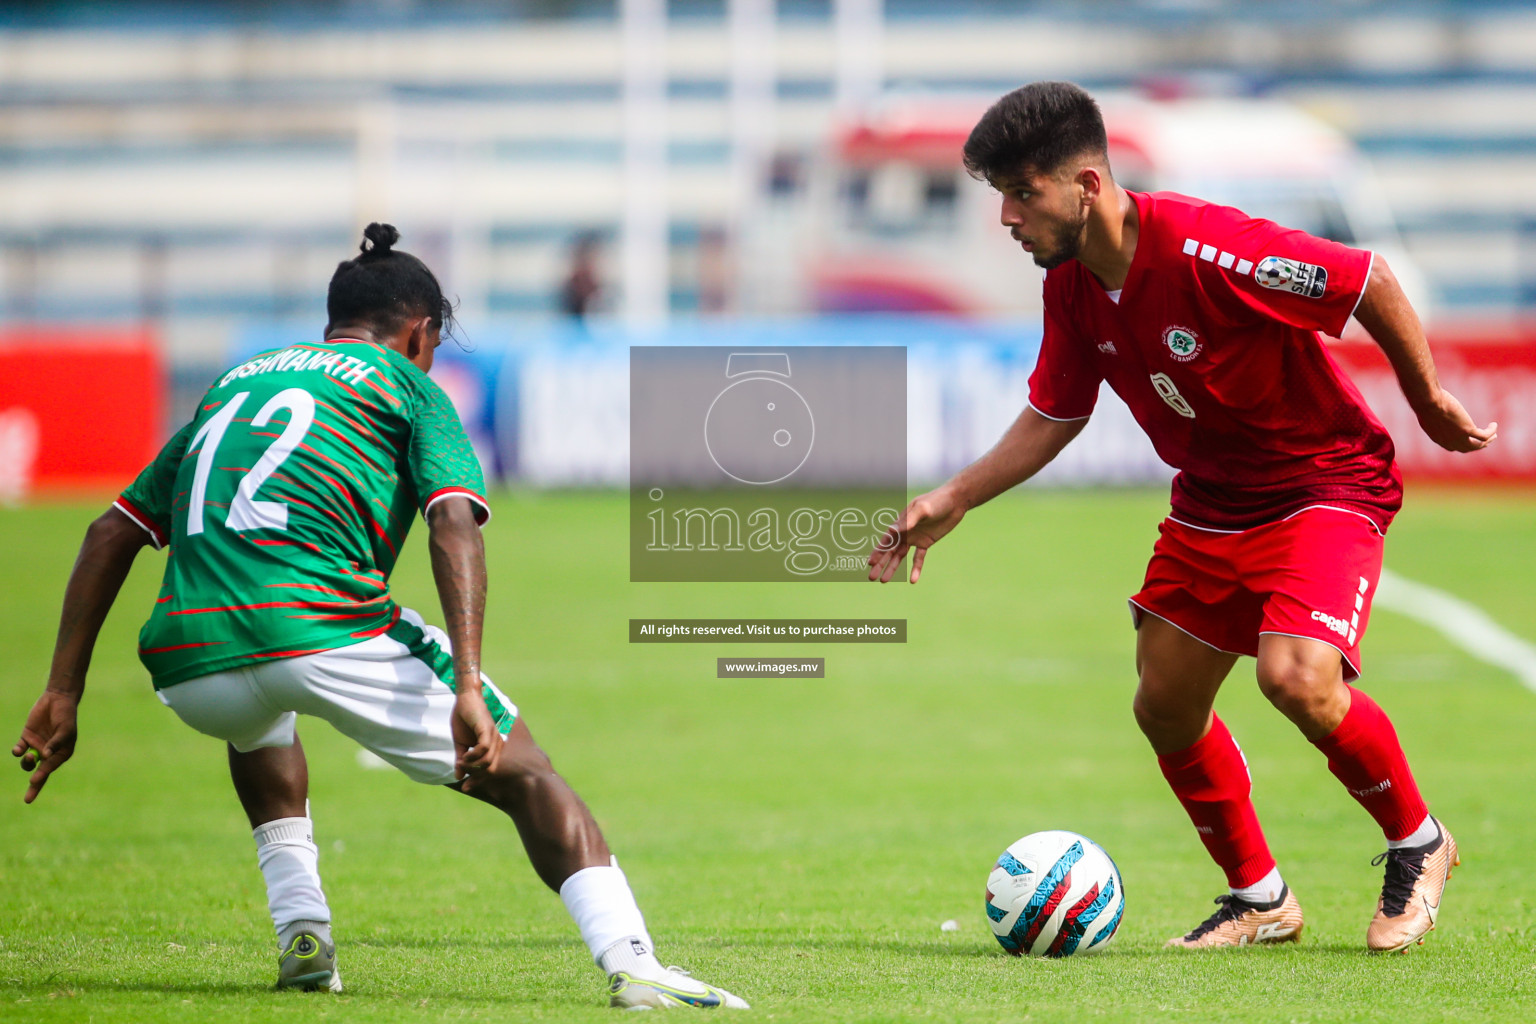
(1214, 346)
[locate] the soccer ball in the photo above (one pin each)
(1054, 894)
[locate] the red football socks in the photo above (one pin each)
(1211, 780)
(1363, 752)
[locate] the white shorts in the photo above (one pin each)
(392, 694)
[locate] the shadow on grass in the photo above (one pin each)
(79, 987)
(508, 942)
(1120, 952)
(935, 949)
(363, 992)
(358, 996)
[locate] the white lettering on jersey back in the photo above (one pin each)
(349, 369)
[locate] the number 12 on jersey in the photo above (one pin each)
(245, 512)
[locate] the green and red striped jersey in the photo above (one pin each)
(285, 502)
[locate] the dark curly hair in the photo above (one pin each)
(1035, 129)
(384, 287)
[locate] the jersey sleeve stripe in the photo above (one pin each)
(1058, 419)
(1364, 284)
(482, 508)
(148, 525)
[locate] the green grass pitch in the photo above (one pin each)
(799, 842)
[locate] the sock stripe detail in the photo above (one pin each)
(285, 831)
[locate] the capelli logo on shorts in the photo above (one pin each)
(1339, 626)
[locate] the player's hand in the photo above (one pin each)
(48, 739)
(929, 517)
(1450, 427)
(476, 741)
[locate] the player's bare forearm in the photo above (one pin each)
(106, 555)
(1388, 317)
(458, 568)
(1025, 449)
(49, 734)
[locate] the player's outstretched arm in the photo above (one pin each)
(107, 553)
(1028, 446)
(1386, 314)
(458, 568)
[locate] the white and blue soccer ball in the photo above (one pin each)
(1054, 894)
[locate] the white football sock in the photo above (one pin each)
(290, 863)
(604, 909)
(1265, 890)
(633, 956)
(1427, 832)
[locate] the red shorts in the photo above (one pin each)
(1312, 575)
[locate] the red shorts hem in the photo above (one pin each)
(1351, 663)
(1311, 576)
(1137, 611)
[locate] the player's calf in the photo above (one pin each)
(558, 831)
(571, 856)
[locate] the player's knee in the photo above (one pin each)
(1148, 717)
(521, 769)
(1299, 689)
(1163, 720)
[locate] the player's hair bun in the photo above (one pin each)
(378, 239)
(383, 286)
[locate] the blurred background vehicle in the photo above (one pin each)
(717, 172)
(890, 221)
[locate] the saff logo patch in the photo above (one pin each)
(1183, 344)
(1293, 276)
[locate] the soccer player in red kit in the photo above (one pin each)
(1207, 323)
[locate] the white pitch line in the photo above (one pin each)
(1463, 623)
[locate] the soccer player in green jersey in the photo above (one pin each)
(283, 506)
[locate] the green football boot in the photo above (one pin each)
(309, 963)
(675, 987)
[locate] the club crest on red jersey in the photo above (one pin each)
(1183, 343)
(1277, 272)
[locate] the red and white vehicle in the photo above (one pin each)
(891, 221)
